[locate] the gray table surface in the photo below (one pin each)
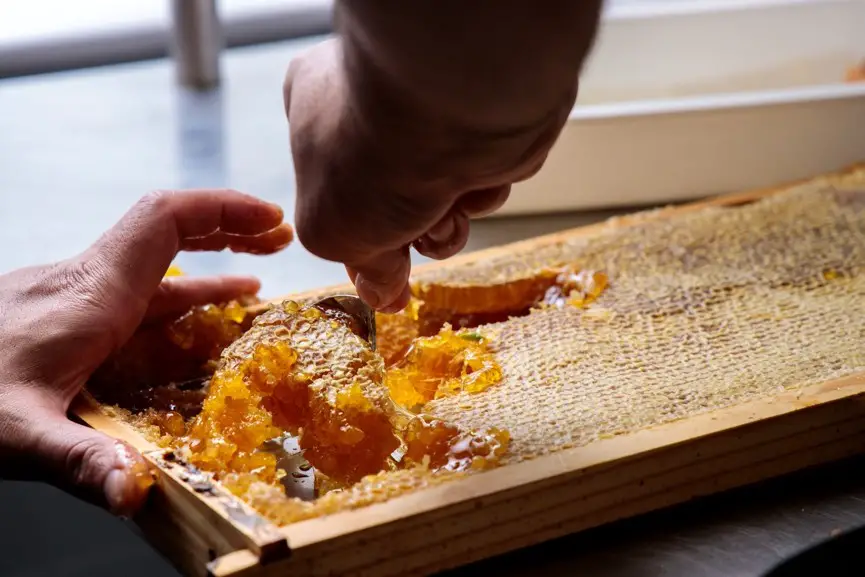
(78, 148)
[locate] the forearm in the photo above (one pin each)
(486, 66)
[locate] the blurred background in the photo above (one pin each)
(102, 101)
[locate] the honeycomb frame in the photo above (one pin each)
(531, 501)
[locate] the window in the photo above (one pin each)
(43, 35)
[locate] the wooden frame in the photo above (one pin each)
(206, 531)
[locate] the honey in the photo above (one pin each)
(395, 332)
(444, 446)
(304, 371)
(228, 384)
(307, 371)
(174, 270)
(443, 365)
(465, 305)
(139, 476)
(575, 288)
(310, 372)
(710, 309)
(206, 330)
(159, 379)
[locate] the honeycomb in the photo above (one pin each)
(302, 371)
(395, 333)
(443, 365)
(158, 379)
(307, 371)
(509, 293)
(433, 305)
(165, 367)
(707, 310)
(270, 501)
(627, 327)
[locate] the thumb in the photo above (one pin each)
(94, 466)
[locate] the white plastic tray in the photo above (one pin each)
(683, 99)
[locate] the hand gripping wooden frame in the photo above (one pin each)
(204, 530)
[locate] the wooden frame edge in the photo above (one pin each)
(529, 475)
(87, 409)
(182, 524)
(190, 519)
(578, 488)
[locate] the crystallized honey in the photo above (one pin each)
(305, 370)
(502, 359)
(443, 365)
(164, 367)
(302, 371)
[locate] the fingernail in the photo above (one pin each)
(115, 490)
(443, 231)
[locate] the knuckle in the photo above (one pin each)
(90, 291)
(85, 459)
(288, 82)
(78, 273)
(292, 73)
(312, 233)
(29, 286)
(157, 201)
(167, 290)
(532, 168)
(85, 280)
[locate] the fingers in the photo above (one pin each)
(269, 242)
(450, 235)
(92, 465)
(197, 213)
(382, 282)
(135, 253)
(176, 295)
(484, 202)
(446, 238)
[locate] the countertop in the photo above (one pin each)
(78, 148)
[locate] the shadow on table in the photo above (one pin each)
(758, 531)
(841, 556)
(47, 533)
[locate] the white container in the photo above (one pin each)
(683, 99)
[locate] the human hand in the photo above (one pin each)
(59, 322)
(376, 176)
